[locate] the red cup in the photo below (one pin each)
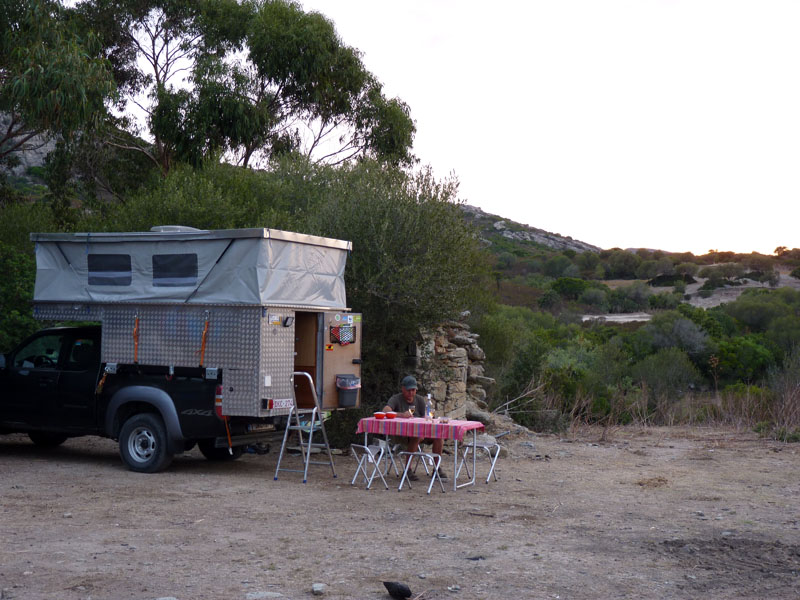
(379, 415)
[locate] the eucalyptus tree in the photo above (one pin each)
(51, 80)
(245, 79)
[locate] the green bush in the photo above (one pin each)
(569, 287)
(743, 358)
(667, 374)
(16, 295)
(595, 298)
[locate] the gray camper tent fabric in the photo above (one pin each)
(239, 266)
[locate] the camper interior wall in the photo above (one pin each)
(305, 355)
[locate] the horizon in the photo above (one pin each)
(626, 248)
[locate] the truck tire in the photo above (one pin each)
(211, 452)
(143, 444)
(46, 439)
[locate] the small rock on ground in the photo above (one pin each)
(318, 589)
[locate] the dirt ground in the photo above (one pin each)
(653, 513)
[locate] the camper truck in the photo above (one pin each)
(199, 335)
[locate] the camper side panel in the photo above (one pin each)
(277, 360)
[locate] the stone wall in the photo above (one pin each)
(450, 367)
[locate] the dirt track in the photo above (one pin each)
(651, 514)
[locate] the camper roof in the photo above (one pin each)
(183, 265)
(183, 233)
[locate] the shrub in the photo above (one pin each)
(595, 298)
(550, 299)
(663, 301)
(743, 404)
(569, 287)
(16, 293)
(667, 375)
(784, 383)
(743, 358)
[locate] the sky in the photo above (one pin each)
(669, 124)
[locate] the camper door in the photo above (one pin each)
(340, 337)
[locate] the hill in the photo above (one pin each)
(493, 227)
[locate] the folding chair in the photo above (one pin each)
(426, 458)
(388, 455)
(493, 451)
(368, 455)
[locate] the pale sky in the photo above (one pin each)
(671, 124)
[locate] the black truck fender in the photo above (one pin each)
(135, 399)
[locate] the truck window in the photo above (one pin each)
(109, 269)
(175, 270)
(43, 351)
(84, 354)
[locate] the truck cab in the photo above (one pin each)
(49, 382)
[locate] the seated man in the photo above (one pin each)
(407, 404)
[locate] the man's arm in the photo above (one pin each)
(404, 414)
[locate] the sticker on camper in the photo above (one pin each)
(328, 347)
(337, 318)
(350, 319)
(274, 319)
(357, 318)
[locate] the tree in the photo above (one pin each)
(623, 264)
(51, 81)
(686, 268)
(556, 265)
(671, 329)
(415, 261)
(260, 78)
(647, 269)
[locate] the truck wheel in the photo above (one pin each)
(143, 444)
(211, 452)
(46, 439)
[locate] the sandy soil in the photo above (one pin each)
(655, 513)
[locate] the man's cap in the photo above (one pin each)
(409, 382)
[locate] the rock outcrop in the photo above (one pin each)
(450, 367)
(524, 233)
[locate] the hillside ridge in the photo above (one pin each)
(494, 224)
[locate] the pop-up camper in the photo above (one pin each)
(257, 304)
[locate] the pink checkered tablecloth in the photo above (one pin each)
(419, 427)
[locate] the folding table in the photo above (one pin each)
(418, 427)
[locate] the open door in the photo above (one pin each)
(306, 355)
(340, 336)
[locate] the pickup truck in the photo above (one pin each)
(53, 387)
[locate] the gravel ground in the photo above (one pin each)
(651, 513)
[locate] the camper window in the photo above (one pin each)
(109, 269)
(174, 270)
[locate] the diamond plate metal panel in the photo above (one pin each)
(240, 392)
(250, 344)
(277, 356)
(67, 312)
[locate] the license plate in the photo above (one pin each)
(282, 403)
